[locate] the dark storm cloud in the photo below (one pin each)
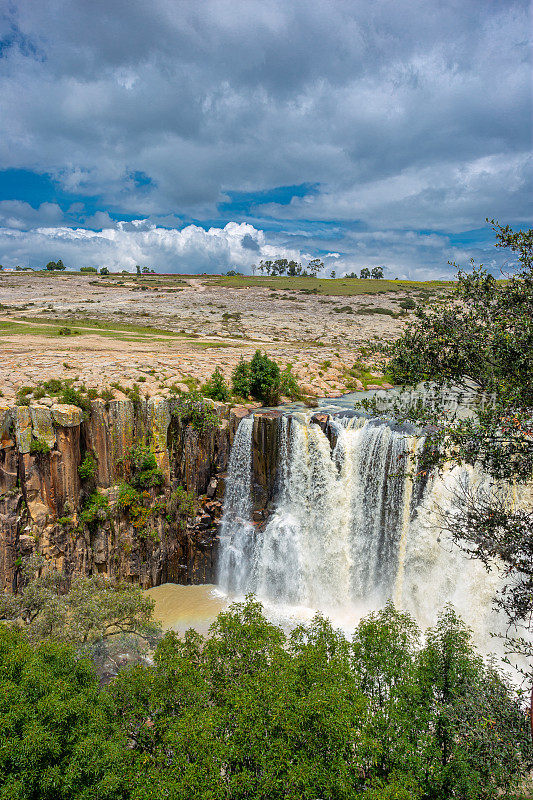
(411, 115)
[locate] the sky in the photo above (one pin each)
(203, 136)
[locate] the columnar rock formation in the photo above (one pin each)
(46, 506)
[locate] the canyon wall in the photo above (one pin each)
(99, 523)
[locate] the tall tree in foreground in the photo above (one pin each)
(480, 338)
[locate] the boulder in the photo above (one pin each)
(67, 416)
(23, 431)
(42, 424)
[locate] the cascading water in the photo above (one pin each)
(335, 536)
(236, 530)
(351, 528)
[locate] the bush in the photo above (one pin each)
(264, 379)
(216, 387)
(408, 304)
(87, 468)
(146, 473)
(288, 384)
(88, 269)
(38, 447)
(74, 397)
(240, 379)
(192, 410)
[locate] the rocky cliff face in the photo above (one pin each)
(93, 519)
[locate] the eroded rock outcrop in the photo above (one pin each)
(68, 488)
(91, 518)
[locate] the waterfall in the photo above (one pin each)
(351, 527)
(237, 539)
(335, 533)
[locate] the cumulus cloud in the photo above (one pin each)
(411, 115)
(191, 249)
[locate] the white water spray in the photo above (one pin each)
(351, 528)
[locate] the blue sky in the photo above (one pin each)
(202, 136)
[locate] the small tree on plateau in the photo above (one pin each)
(51, 266)
(365, 274)
(315, 266)
(377, 273)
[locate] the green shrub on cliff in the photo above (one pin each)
(87, 468)
(145, 472)
(192, 409)
(216, 387)
(240, 379)
(39, 447)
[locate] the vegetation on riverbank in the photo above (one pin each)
(252, 712)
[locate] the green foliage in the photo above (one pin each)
(83, 611)
(145, 472)
(87, 468)
(481, 339)
(288, 385)
(365, 274)
(408, 304)
(181, 506)
(240, 379)
(104, 271)
(57, 739)
(192, 409)
(88, 269)
(75, 397)
(22, 398)
(251, 712)
(53, 386)
(95, 510)
(137, 506)
(38, 447)
(264, 379)
(216, 387)
(53, 265)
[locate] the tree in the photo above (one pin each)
(138, 269)
(365, 273)
(377, 273)
(83, 611)
(216, 387)
(240, 379)
(264, 379)
(104, 271)
(253, 712)
(58, 739)
(294, 269)
(60, 265)
(333, 273)
(51, 266)
(480, 339)
(315, 266)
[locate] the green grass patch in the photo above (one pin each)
(327, 286)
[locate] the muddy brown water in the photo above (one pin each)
(181, 607)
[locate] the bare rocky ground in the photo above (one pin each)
(213, 326)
